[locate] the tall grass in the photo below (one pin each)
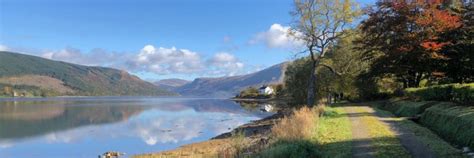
(294, 135)
(300, 125)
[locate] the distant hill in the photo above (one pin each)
(230, 86)
(171, 84)
(36, 76)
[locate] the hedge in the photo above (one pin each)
(463, 93)
(454, 123)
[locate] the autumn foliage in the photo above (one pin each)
(407, 39)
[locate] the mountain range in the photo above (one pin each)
(26, 75)
(227, 86)
(171, 84)
(34, 76)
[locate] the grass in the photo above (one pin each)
(328, 136)
(447, 92)
(427, 137)
(405, 108)
(383, 138)
(294, 135)
(334, 133)
(454, 123)
(290, 149)
(300, 125)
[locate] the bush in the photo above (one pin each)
(454, 123)
(290, 149)
(250, 92)
(463, 93)
(300, 125)
(405, 108)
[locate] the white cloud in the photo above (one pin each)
(277, 36)
(3, 48)
(225, 64)
(150, 59)
(166, 60)
(95, 57)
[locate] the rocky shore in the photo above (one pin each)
(247, 138)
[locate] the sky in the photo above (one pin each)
(154, 39)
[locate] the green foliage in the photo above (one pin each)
(459, 65)
(454, 123)
(343, 58)
(279, 90)
(290, 149)
(449, 92)
(405, 108)
(296, 80)
(250, 92)
(84, 80)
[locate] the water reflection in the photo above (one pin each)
(84, 127)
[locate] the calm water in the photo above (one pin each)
(89, 126)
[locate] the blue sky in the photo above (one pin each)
(154, 39)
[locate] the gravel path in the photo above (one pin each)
(362, 142)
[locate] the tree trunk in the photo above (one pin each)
(310, 98)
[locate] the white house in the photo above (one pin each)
(266, 90)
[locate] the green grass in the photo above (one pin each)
(454, 123)
(447, 92)
(384, 140)
(427, 137)
(333, 138)
(405, 108)
(290, 149)
(334, 133)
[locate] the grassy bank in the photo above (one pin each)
(331, 136)
(452, 122)
(430, 139)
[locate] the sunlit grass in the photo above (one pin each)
(440, 147)
(300, 125)
(334, 133)
(384, 140)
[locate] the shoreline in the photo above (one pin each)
(256, 134)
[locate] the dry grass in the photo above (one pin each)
(300, 125)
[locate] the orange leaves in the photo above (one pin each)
(433, 46)
(438, 20)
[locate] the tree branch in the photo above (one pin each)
(331, 69)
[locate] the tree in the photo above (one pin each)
(458, 64)
(342, 57)
(319, 23)
(402, 39)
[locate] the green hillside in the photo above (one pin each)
(82, 80)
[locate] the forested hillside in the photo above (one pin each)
(34, 76)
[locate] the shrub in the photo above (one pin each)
(407, 108)
(454, 123)
(300, 125)
(449, 92)
(290, 149)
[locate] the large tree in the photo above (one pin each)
(458, 65)
(403, 39)
(319, 23)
